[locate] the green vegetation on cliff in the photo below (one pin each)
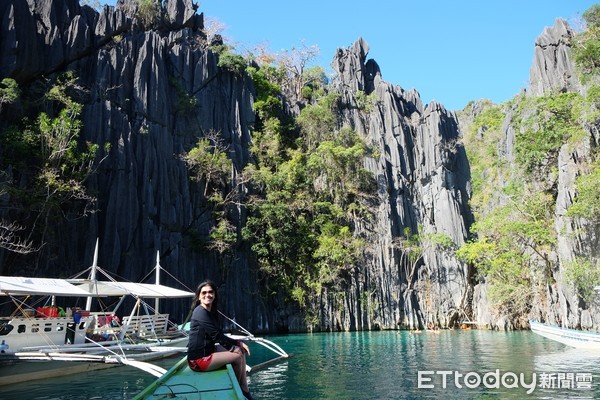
(311, 178)
(515, 186)
(45, 162)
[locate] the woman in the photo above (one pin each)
(203, 352)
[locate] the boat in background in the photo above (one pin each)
(38, 342)
(570, 337)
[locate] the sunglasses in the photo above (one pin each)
(206, 292)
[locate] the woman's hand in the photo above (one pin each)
(245, 348)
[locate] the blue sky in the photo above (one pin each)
(450, 51)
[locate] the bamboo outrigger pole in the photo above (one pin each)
(88, 303)
(156, 300)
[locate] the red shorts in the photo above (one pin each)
(201, 364)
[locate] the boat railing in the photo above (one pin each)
(146, 325)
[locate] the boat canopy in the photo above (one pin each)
(20, 286)
(115, 288)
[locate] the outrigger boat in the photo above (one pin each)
(571, 337)
(182, 383)
(44, 342)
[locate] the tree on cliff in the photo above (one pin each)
(311, 188)
(9, 238)
(291, 72)
(48, 164)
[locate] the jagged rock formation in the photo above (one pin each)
(152, 89)
(553, 71)
(135, 79)
(552, 68)
(135, 82)
(423, 177)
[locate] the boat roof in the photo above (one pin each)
(19, 286)
(116, 288)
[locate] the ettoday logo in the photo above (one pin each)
(509, 380)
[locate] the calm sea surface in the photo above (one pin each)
(380, 365)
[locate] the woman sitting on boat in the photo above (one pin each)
(203, 353)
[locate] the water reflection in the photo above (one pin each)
(271, 380)
(386, 365)
(369, 365)
(567, 372)
(567, 359)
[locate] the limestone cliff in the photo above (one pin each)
(135, 74)
(423, 178)
(151, 88)
(553, 71)
(133, 83)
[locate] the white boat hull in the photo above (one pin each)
(32, 371)
(570, 337)
(37, 366)
(35, 348)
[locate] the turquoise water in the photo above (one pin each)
(379, 365)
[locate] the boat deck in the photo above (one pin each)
(182, 383)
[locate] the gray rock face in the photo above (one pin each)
(151, 95)
(552, 68)
(136, 83)
(577, 239)
(423, 177)
(180, 13)
(553, 71)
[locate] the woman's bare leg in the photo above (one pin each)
(236, 359)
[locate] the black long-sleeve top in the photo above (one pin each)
(205, 331)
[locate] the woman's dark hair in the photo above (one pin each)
(214, 309)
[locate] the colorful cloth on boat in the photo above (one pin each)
(205, 332)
